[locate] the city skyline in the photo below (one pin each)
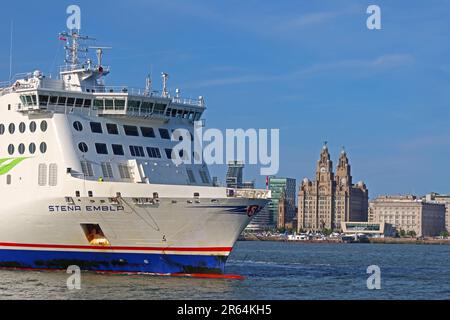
(317, 73)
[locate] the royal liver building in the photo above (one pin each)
(331, 198)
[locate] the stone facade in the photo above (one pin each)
(331, 198)
(409, 214)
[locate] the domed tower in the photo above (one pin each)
(324, 171)
(343, 174)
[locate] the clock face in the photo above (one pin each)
(343, 181)
(322, 169)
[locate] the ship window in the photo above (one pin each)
(2, 129)
(23, 100)
(21, 148)
(22, 127)
(87, 168)
(32, 148)
(44, 126)
(168, 153)
(42, 174)
(101, 148)
(96, 127)
(137, 151)
(109, 104)
(153, 152)
(148, 132)
(174, 112)
(32, 126)
(133, 105)
(204, 176)
(8, 179)
(191, 176)
(146, 107)
(83, 147)
(78, 126)
(70, 102)
(77, 194)
(107, 170)
(87, 103)
(11, 149)
(117, 150)
(98, 103)
(34, 100)
(90, 194)
(112, 128)
(53, 100)
(168, 111)
(62, 101)
(119, 104)
(124, 171)
(43, 147)
(79, 102)
(159, 108)
(43, 101)
(164, 133)
(53, 174)
(131, 131)
(11, 128)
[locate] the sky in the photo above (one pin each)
(309, 68)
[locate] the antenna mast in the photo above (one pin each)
(11, 50)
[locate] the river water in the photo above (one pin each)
(272, 270)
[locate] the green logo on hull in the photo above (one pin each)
(4, 169)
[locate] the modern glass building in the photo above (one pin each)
(234, 174)
(283, 189)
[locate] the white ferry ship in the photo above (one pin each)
(86, 178)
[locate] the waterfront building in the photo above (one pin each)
(331, 198)
(234, 174)
(443, 199)
(410, 214)
(378, 229)
(282, 190)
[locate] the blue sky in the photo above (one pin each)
(310, 68)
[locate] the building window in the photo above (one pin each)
(153, 152)
(117, 149)
(96, 127)
(101, 148)
(22, 127)
(42, 174)
(87, 168)
(147, 132)
(78, 126)
(191, 176)
(44, 126)
(137, 151)
(43, 147)
(11, 149)
(131, 131)
(83, 147)
(53, 174)
(21, 148)
(112, 128)
(107, 170)
(32, 148)
(204, 176)
(11, 128)
(32, 126)
(164, 133)
(124, 171)
(168, 153)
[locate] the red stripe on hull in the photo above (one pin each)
(64, 246)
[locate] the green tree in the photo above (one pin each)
(402, 233)
(444, 234)
(411, 233)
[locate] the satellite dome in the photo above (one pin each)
(306, 180)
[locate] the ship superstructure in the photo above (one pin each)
(87, 177)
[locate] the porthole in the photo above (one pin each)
(11, 149)
(43, 147)
(32, 126)
(2, 128)
(11, 128)
(32, 148)
(44, 126)
(83, 147)
(21, 148)
(78, 126)
(22, 127)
